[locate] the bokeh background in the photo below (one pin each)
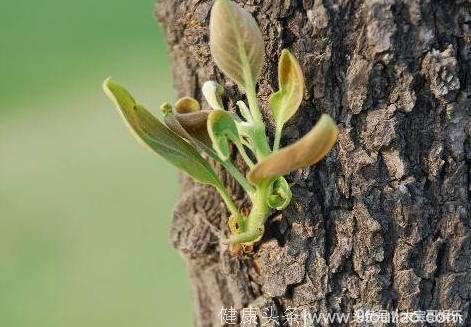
(84, 210)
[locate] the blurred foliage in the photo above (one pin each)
(84, 210)
(49, 44)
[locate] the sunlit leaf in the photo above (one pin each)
(172, 122)
(305, 152)
(151, 132)
(212, 92)
(236, 42)
(190, 117)
(221, 129)
(244, 111)
(187, 105)
(287, 100)
(280, 194)
(175, 126)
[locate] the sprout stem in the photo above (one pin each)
(245, 156)
(228, 200)
(234, 172)
(276, 143)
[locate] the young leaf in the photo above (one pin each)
(159, 138)
(177, 128)
(280, 194)
(244, 111)
(287, 100)
(305, 152)
(221, 128)
(212, 92)
(246, 127)
(236, 42)
(187, 105)
(190, 117)
(173, 124)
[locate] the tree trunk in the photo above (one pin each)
(383, 222)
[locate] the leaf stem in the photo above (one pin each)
(229, 166)
(260, 209)
(234, 172)
(244, 155)
(228, 200)
(276, 143)
(252, 98)
(256, 220)
(259, 137)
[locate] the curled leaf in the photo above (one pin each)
(195, 124)
(187, 105)
(151, 132)
(236, 42)
(287, 100)
(190, 118)
(305, 152)
(176, 127)
(280, 194)
(173, 124)
(221, 128)
(212, 92)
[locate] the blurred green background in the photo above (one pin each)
(84, 210)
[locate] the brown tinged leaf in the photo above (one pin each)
(186, 105)
(190, 118)
(287, 100)
(236, 42)
(175, 126)
(195, 124)
(305, 152)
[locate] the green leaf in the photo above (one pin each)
(166, 108)
(236, 42)
(287, 100)
(176, 127)
(221, 128)
(151, 132)
(307, 151)
(244, 111)
(280, 194)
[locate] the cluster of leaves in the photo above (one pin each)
(188, 131)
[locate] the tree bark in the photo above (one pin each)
(383, 222)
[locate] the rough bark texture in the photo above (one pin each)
(383, 222)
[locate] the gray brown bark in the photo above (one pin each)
(383, 222)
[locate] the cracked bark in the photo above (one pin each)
(383, 222)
